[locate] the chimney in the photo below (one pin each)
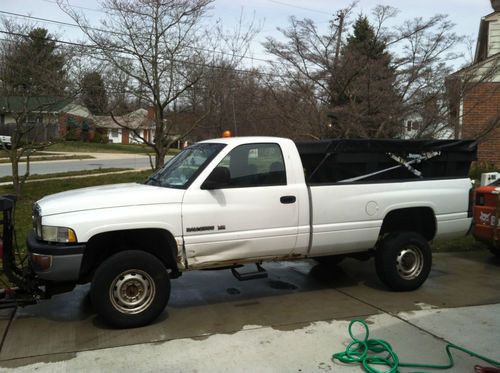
(495, 4)
(151, 112)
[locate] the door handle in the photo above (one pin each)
(288, 199)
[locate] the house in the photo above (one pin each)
(138, 122)
(474, 92)
(50, 117)
(414, 126)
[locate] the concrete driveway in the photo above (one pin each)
(292, 321)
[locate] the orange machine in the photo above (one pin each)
(486, 216)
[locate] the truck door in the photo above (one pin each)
(251, 214)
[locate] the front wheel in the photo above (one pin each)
(403, 261)
(130, 289)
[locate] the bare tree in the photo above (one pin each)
(220, 91)
(425, 57)
(307, 64)
(366, 94)
(162, 50)
(153, 44)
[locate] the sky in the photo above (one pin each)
(269, 14)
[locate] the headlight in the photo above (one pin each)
(58, 234)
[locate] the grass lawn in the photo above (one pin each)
(467, 243)
(69, 173)
(35, 191)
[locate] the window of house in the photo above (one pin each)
(34, 119)
(408, 125)
(255, 165)
(114, 132)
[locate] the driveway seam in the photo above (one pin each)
(4, 336)
(395, 315)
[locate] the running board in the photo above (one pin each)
(259, 273)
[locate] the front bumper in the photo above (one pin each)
(55, 262)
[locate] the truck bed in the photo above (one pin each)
(333, 161)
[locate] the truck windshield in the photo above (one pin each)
(180, 171)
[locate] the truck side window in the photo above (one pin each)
(254, 165)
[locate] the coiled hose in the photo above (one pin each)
(370, 352)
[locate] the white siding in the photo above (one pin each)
(494, 36)
(115, 135)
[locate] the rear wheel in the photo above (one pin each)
(130, 289)
(403, 261)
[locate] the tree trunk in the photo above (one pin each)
(160, 156)
(15, 176)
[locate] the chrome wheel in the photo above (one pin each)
(409, 262)
(132, 291)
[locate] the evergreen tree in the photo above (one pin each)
(35, 66)
(94, 93)
(33, 82)
(366, 99)
(364, 41)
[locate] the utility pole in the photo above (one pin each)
(340, 18)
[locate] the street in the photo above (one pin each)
(101, 160)
(292, 321)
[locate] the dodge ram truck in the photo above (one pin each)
(224, 203)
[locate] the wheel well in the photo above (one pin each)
(415, 219)
(158, 242)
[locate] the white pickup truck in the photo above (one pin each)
(5, 141)
(226, 202)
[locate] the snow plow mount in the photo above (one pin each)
(20, 286)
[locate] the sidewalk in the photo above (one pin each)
(97, 156)
(418, 336)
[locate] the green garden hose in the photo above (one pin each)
(358, 351)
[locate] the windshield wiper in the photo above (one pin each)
(154, 178)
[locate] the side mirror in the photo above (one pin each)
(218, 179)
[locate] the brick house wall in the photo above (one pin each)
(481, 106)
(125, 136)
(64, 119)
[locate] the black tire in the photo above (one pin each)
(330, 260)
(403, 261)
(495, 251)
(130, 289)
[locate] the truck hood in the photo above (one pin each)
(108, 196)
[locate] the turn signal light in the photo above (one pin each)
(41, 262)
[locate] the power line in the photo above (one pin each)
(299, 7)
(75, 6)
(53, 21)
(46, 20)
(47, 39)
(11, 14)
(186, 62)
